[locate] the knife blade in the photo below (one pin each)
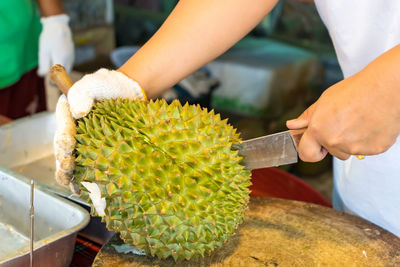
(270, 150)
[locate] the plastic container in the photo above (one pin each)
(275, 183)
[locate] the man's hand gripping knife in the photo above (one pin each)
(103, 84)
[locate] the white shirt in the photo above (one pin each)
(362, 30)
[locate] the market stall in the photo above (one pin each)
(199, 133)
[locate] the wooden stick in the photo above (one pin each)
(60, 77)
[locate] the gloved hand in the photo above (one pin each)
(103, 84)
(55, 44)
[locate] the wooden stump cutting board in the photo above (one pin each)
(279, 232)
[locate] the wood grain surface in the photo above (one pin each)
(279, 232)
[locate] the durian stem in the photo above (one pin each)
(60, 77)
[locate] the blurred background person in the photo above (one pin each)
(34, 35)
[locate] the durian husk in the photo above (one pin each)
(173, 184)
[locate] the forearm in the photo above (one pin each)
(50, 7)
(195, 33)
(383, 74)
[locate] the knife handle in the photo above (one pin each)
(296, 135)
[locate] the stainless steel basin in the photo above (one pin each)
(57, 222)
(26, 148)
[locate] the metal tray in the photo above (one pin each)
(57, 222)
(26, 148)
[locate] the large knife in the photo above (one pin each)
(270, 150)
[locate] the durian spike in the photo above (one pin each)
(60, 77)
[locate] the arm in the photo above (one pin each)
(195, 33)
(50, 7)
(359, 115)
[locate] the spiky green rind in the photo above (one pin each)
(172, 182)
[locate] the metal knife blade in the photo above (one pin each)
(270, 150)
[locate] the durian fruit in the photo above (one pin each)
(173, 184)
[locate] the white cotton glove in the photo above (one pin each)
(64, 142)
(55, 44)
(103, 84)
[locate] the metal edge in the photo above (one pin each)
(48, 189)
(294, 144)
(45, 188)
(239, 145)
(56, 236)
(27, 118)
(269, 135)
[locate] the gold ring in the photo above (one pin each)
(360, 157)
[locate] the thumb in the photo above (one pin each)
(303, 120)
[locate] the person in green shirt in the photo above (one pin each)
(29, 46)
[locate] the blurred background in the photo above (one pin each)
(271, 75)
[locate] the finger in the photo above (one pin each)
(303, 120)
(80, 98)
(337, 151)
(339, 154)
(44, 63)
(309, 148)
(64, 57)
(370, 146)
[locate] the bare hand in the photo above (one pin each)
(359, 115)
